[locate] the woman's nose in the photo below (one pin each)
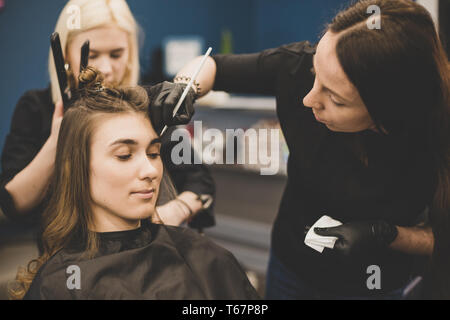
(311, 100)
(149, 169)
(307, 100)
(104, 65)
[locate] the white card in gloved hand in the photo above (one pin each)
(317, 242)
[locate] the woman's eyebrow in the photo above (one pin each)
(155, 141)
(134, 142)
(124, 141)
(117, 50)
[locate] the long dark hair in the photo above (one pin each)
(402, 74)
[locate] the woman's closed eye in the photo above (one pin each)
(94, 56)
(125, 153)
(153, 155)
(115, 55)
(335, 102)
(124, 157)
(153, 152)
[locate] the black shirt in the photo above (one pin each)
(30, 129)
(151, 262)
(326, 176)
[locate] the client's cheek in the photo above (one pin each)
(109, 185)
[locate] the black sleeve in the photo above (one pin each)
(256, 73)
(22, 143)
(189, 177)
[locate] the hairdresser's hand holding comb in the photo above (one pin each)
(163, 99)
(358, 238)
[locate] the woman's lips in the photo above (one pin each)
(144, 194)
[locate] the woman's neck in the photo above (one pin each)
(111, 224)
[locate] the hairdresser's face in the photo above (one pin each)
(125, 171)
(334, 100)
(109, 52)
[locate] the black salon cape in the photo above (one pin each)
(151, 262)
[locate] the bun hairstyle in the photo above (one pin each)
(94, 94)
(89, 77)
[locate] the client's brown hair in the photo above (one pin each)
(68, 214)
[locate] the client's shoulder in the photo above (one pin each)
(192, 242)
(222, 277)
(50, 281)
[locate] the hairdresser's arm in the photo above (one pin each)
(414, 240)
(205, 78)
(28, 187)
(359, 237)
(176, 212)
(254, 73)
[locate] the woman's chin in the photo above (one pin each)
(344, 130)
(141, 213)
(147, 214)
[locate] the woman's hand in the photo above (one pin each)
(356, 238)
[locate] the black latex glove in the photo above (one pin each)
(163, 98)
(355, 238)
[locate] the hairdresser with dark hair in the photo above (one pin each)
(365, 114)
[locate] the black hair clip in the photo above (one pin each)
(58, 58)
(84, 55)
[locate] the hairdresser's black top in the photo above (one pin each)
(151, 262)
(30, 128)
(326, 177)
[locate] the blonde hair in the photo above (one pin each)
(94, 14)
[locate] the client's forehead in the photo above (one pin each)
(113, 128)
(103, 39)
